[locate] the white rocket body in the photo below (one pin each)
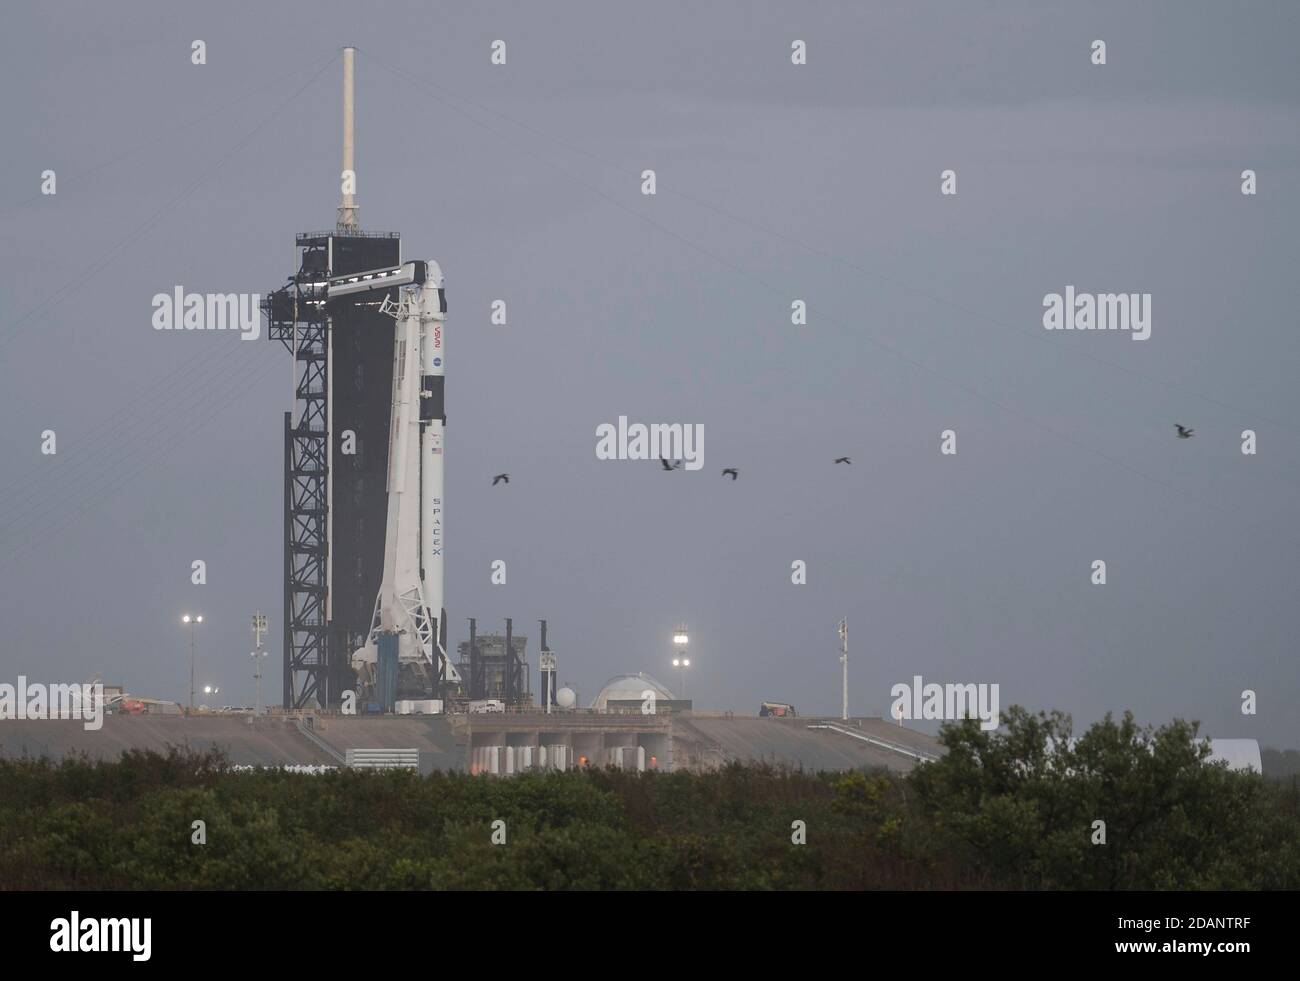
(433, 424)
(431, 455)
(409, 604)
(410, 600)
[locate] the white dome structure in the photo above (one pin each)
(629, 687)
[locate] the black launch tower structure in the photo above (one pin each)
(335, 502)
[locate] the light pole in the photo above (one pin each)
(683, 663)
(193, 622)
(257, 657)
(681, 640)
(844, 660)
(259, 628)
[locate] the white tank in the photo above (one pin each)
(566, 698)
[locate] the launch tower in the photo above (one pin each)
(335, 444)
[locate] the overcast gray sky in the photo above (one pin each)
(776, 182)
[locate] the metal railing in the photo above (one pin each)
(305, 727)
(351, 233)
(383, 759)
(915, 754)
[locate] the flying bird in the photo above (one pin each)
(670, 466)
(1184, 432)
(500, 477)
(732, 472)
(843, 459)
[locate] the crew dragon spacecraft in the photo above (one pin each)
(406, 651)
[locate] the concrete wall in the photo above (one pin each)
(480, 743)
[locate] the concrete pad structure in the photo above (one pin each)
(505, 744)
(274, 741)
(493, 744)
(702, 741)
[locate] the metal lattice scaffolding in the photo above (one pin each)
(299, 323)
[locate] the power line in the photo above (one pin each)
(168, 136)
(104, 448)
(822, 253)
(765, 284)
(133, 465)
(202, 360)
(73, 286)
(100, 439)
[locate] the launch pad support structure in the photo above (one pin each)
(340, 485)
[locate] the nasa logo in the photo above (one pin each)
(437, 362)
